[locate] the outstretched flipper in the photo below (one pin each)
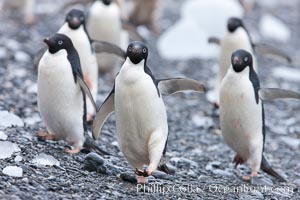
(276, 93)
(268, 50)
(174, 85)
(103, 113)
(265, 166)
(214, 40)
(107, 47)
(132, 30)
(86, 90)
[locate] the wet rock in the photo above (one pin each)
(129, 177)
(8, 119)
(160, 175)
(94, 162)
(13, 171)
(45, 160)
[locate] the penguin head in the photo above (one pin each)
(234, 23)
(75, 19)
(137, 51)
(241, 59)
(58, 42)
(106, 2)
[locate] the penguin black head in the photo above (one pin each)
(137, 51)
(58, 42)
(75, 18)
(241, 59)
(234, 23)
(107, 2)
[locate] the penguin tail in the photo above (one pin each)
(91, 146)
(266, 167)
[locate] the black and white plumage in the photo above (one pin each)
(141, 119)
(61, 92)
(242, 112)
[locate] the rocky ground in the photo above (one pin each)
(196, 149)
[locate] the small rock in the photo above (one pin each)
(8, 119)
(221, 172)
(12, 44)
(32, 120)
(18, 158)
(13, 171)
(94, 162)
(261, 181)
(129, 177)
(45, 160)
(292, 142)
(32, 89)
(21, 56)
(202, 121)
(3, 136)
(160, 175)
(3, 53)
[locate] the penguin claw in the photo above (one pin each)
(249, 177)
(238, 160)
(45, 136)
(72, 151)
(143, 173)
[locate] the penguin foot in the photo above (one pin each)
(247, 178)
(238, 160)
(143, 173)
(45, 136)
(141, 179)
(72, 151)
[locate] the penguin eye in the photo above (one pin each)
(246, 59)
(60, 42)
(144, 50)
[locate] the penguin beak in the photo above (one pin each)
(236, 61)
(74, 23)
(47, 41)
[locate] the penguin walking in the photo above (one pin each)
(74, 27)
(61, 93)
(242, 113)
(141, 118)
(237, 37)
(104, 23)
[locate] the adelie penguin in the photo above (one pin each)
(237, 37)
(242, 113)
(61, 93)
(141, 118)
(74, 28)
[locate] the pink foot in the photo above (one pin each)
(72, 151)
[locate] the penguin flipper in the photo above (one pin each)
(214, 40)
(174, 85)
(265, 49)
(107, 47)
(265, 166)
(86, 90)
(276, 93)
(103, 113)
(132, 30)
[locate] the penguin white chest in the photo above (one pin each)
(140, 111)
(60, 100)
(241, 116)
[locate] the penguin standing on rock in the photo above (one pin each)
(242, 113)
(237, 37)
(61, 93)
(141, 118)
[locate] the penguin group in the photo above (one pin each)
(68, 85)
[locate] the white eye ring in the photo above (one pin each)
(246, 59)
(60, 42)
(144, 50)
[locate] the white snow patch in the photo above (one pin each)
(8, 119)
(3, 136)
(272, 28)
(45, 160)
(188, 37)
(7, 149)
(13, 171)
